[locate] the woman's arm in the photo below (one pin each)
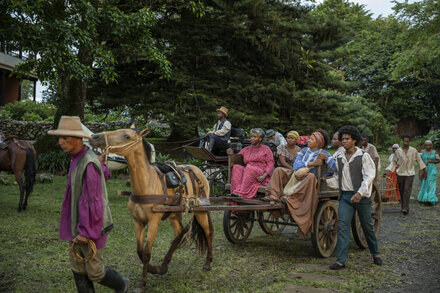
(282, 162)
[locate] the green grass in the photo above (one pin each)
(34, 259)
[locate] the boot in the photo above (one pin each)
(83, 284)
(115, 281)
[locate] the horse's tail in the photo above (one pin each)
(194, 232)
(29, 170)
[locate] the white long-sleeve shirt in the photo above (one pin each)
(221, 131)
(368, 173)
(405, 162)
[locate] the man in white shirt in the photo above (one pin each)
(405, 158)
(219, 136)
(356, 172)
(370, 149)
(275, 137)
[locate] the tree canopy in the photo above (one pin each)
(274, 64)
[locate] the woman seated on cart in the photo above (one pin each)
(302, 198)
(259, 163)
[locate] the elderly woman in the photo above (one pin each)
(258, 160)
(428, 184)
(302, 203)
(287, 152)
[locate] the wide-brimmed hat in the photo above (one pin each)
(223, 110)
(69, 126)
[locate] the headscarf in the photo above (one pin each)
(427, 142)
(294, 134)
(319, 139)
(395, 146)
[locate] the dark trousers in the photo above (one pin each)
(405, 187)
(345, 215)
(215, 143)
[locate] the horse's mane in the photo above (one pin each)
(147, 149)
(146, 145)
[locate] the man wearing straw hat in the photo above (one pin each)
(85, 213)
(220, 134)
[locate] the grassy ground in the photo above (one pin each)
(33, 259)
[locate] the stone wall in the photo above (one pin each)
(29, 130)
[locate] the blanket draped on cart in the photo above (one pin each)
(302, 204)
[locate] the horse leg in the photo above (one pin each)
(146, 254)
(176, 223)
(20, 183)
(205, 222)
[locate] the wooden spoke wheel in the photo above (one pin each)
(237, 225)
(270, 224)
(217, 182)
(376, 215)
(325, 229)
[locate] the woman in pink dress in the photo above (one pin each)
(258, 160)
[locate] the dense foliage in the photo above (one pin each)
(274, 64)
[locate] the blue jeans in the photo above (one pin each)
(345, 215)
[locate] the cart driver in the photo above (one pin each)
(218, 138)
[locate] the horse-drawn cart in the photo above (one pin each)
(241, 213)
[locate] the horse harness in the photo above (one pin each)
(165, 198)
(177, 199)
(4, 145)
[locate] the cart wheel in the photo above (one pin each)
(238, 225)
(356, 228)
(272, 228)
(217, 182)
(325, 229)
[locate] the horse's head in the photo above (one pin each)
(120, 142)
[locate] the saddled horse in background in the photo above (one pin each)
(147, 192)
(18, 156)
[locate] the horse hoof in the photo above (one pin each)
(207, 269)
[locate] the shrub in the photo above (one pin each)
(53, 162)
(28, 111)
(434, 136)
(46, 143)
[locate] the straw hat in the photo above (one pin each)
(223, 110)
(69, 126)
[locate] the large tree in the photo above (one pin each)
(71, 40)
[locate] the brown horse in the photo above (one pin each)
(145, 183)
(19, 155)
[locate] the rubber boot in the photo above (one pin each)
(83, 283)
(115, 281)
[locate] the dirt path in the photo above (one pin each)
(412, 246)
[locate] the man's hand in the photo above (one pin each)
(209, 134)
(322, 156)
(81, 239)
(229, 151)
(101, 158)
(356, 198)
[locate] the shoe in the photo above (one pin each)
(405, 212)
(337, 266)
(115, 281)
(377, 260)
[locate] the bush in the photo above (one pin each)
(28, 111)
(46, 143)
(434, 136)
(53, 162)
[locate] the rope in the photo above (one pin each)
(77, 256)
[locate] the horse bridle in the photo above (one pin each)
(126, 146)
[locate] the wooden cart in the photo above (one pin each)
(240, 215)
